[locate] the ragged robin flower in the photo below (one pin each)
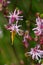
(35, 53)
(15, 16)
(14, 28)
(37, 30)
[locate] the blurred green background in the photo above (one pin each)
(16, 54)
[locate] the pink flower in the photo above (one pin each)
(17, 27)
(41, 53)
(10, 27)
(26, 44)
(38, 22)
(37, 30)
(15, 16)
(14, 27)
(36, 53)
(26, 38)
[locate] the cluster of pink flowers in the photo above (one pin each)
(39, 29)
(14, 18)
(36, 53)
(13, 26)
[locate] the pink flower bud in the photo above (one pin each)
(25, 44)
